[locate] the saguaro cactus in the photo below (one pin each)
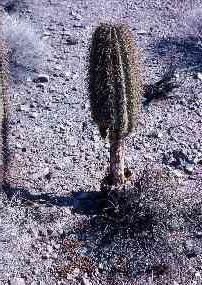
(115, 89)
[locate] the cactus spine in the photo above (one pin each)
(115, 89)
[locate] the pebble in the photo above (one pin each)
(191, 248)
(24, 108)
(177, 173)
(41, 78)
(76, 271)
(155, 134)
(75, 15)
(189, 245)
(198, 274)
(199, 75)
(198, 234)
(189, 167)
(33, 115)
(17, 281)
(71, 41)
(86, 281)
(49, 248)
(142, 32)
(177, 75)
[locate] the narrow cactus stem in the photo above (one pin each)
(116, 158)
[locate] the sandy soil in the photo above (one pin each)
(56, 155)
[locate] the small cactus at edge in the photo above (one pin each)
(115, 89)
(4, 81)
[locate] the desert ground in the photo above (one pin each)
(57, 225)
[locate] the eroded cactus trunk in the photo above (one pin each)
(115, 89)
(116, 158)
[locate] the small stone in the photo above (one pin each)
(86, 281)
(29, 79)
(189, 167)
(56, 245)
(198, 234)
(148, 156)
(78, 26)
(155, 134)
(18, 145)
(198, 274)
(101, 266)
(182, 101)
(67, 73)
(177, 173)
(76, 271)
(199, 75)
(75, 15)
(71, 41)
(159, 135)
(49, 248)
(189, 244)
(142, 32)
(41, 78)
(177, 75)
(191, 249)
(40, 85)
(33, 115)
(24, 108)
(17, 281)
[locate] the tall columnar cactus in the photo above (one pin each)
(115, 89)
(4, 71)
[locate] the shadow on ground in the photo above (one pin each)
(85, 203)
(160, 90)
(147, 232)
(182, 53)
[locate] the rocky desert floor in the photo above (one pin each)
(57, 225)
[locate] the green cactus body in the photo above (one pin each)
(3, 110)
(115, 84)
(115, 87)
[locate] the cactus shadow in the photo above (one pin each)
(131, 235)
(161, 89)
(179, 54)
(19, 195)
(183, 53)
(125, 225)
(84, 203)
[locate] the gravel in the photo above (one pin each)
(52, 225)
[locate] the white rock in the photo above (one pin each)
(189, 167)
(46, 171)
(24, 108)
(41, 78)
(142, 32)
(199, 75)
(49, 248)
(198, 274)
(17, 281)
(177, 173)
(86, 281)
(76, 272)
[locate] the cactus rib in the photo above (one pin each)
(115, 88)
